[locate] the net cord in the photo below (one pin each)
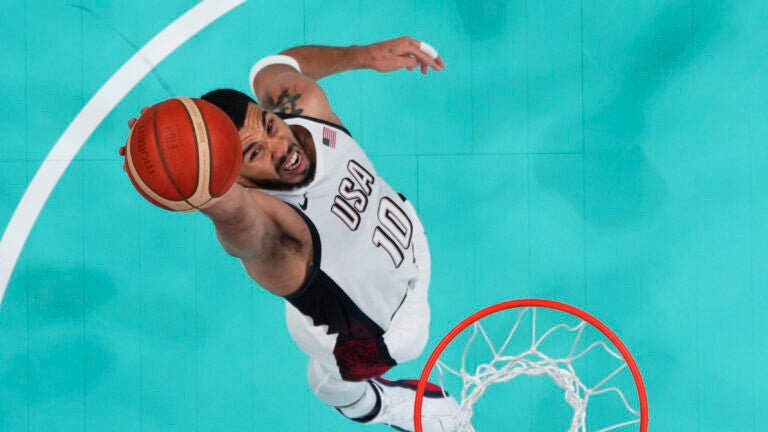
(533, 362)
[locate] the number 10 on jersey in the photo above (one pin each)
(394, 230)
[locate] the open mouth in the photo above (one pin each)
(294, 162)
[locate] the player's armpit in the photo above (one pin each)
(269, 237)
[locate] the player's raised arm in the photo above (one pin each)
(404, 52)
(287, 82)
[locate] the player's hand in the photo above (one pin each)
(132, 121)
(403, 52)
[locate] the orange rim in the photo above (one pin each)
(540, 303)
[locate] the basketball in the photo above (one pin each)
(182, 154)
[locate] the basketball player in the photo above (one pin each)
(312, 222)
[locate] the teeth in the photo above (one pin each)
(293, 162)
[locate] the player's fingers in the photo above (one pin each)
(121, 151)
(428, 49)
(408, 62)
(132, 121)
(427, 54)
(439, 61)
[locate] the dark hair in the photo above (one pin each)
(234, 103)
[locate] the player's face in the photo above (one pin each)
(273, 156)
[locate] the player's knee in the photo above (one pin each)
(407, 345)
(328, 386)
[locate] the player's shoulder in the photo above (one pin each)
(287, 91)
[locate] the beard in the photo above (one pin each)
(279, 185)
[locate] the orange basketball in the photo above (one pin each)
(182, 154)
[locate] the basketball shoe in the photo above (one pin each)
(395, 401)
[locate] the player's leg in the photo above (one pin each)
(379, 400)
(382, 401)
(405, 339)
(408, 332)
(354, 399)
(372, 401)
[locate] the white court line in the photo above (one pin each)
(89, 118)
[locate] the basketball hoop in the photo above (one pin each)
(532, 359)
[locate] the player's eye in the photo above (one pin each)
(254, 153)
(269, 127)
(251, 151)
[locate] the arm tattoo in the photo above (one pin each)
(285, 103)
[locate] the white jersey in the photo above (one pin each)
(363, 227)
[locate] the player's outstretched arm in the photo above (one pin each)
(240, 223)
(288, 83)
(269, 238)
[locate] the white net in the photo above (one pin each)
(532, 360)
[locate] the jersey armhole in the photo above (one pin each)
(316, 255)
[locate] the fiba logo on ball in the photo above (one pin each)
(169, 136)
(182, 154)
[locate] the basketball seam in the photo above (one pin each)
(136, 177)
(162, 157)
(210, 150)
(202, 191)
(236, 136)
(234, 159)
(197, 152)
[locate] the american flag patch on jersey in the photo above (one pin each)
(329, 137)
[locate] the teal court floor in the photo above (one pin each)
(611, 155)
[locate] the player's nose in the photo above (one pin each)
(278, 148)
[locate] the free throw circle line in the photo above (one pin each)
(88, 119)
